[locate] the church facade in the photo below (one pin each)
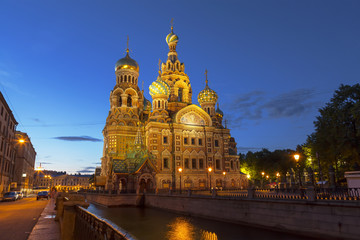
(168, 143)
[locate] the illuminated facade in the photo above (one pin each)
(146, 143)
(7, 147)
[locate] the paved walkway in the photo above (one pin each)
(46, 227)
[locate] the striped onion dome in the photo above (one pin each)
(171, 37)
(159, 87)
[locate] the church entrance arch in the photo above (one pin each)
(146, 183)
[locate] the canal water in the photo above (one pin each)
(155, 224)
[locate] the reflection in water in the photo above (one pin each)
(182, 229)
(205, 235)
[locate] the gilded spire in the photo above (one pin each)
(206, 80)
(138, 138)
(159, 67)
(127, 44)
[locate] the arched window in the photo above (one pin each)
(208, 110)
(121, 78)
(120, 101)
(129, 101)
(180, 93)
(158, 104)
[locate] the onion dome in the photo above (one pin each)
(218, 111)
(159, 87)
(147, 105)
(207, 95)
(127, 63)
(171, 37)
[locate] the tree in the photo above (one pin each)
(337, 131)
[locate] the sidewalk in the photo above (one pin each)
(46, 227)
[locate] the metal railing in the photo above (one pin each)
(88, 226)
(338, 194)
(326, 194)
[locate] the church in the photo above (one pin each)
(168, 142)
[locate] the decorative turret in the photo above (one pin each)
(219, 114)
(208, 98)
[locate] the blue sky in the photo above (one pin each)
(272, 63)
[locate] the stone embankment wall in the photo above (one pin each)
(113, 200)
(323, 219)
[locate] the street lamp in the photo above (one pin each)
(224, 173)
(262, 179)
(297, 157)
(210, 169)
(180, 170)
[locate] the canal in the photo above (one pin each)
(155, 224)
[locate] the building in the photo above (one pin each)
(44, 179)
(152, 145)
(24, 162)
(66, 183)
(7, 146)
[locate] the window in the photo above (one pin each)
(186, 164)
(200, 142)
(166, 163)
(192, 141)
(216, 143)
(185, 140)
(165, 140)
(120, 101)
(201, 163)
(217, 164)
(232, 165)
(129, 103)
(193, 163)
(180, 94)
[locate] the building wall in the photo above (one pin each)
(24, 163)
(7, 146)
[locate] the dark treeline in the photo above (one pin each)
(333, 146)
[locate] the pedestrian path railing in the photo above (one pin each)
(88, 226)
(309, 193)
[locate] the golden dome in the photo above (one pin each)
(207, 95)
(127, 63)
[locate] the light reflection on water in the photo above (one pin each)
(182, 229)
(155, 224)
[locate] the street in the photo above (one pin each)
(18, 218)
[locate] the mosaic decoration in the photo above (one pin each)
(193, 119)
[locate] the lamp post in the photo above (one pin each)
(210, 169)
(277, 179)
(267, 179)
(262, 179)
(180, 170)
(224, 173)
(297, 157)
